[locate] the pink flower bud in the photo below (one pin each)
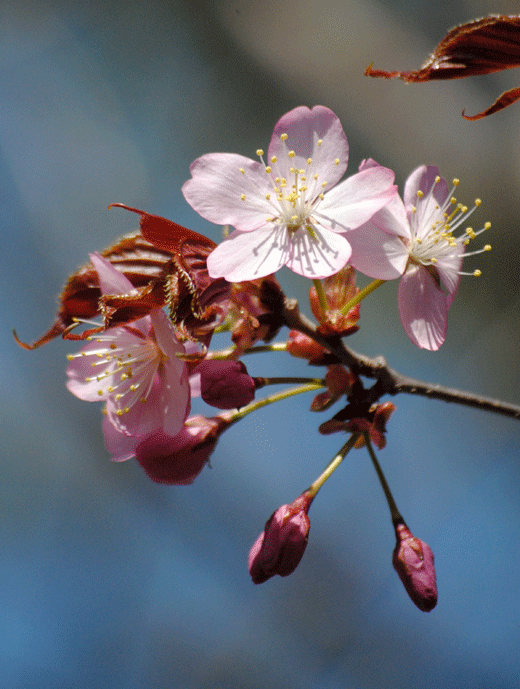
(413, 561)
(303, 347)
(178, 460)
(280, 546)
(225, 384)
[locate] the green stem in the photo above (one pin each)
(276, 397)
(333, 465)
(227, 353)
(361, 295)
(322, 297)
(261, 382)
(394, 512)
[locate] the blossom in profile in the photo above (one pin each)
(135, 370)
(288, 210)
(179, 460)
(280, 546)
(413, 562)
(415, 240)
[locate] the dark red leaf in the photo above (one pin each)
(481, 46)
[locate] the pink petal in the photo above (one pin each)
(423, 308)
(318, 257)
(376, 253)
(304, 127)
(83, 367)
(120, 445)
(250, 255)
(355, 200)
(423, 179)
(111, 281)
(217, 184)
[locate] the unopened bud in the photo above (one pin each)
(225, 384)
(304, 347)
(413, 561)
(280, 546)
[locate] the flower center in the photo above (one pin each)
(432, 227)
(127, 362)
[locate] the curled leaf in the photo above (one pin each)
(481, 46)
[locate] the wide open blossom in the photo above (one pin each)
(291, 210)
(415, 240)
(135, 371)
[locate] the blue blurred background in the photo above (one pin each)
(108, 580)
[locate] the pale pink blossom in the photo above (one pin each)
(135, 371)
(289, 210)
(415, 240)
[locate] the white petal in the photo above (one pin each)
(304, 128)
(250, 255)
(356, 199)
(377, 254)
(222, 194)
(320, 256)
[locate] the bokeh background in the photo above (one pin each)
(108, 580)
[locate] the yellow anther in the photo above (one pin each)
(242, 197)
(100, 392)
(437, 179)
(418, 240)
(420, 194)
(119, 412)
(118, 397)
(324, 184)
(309, 161)
(133, 388)
(466, 242)
(456, 182)
(294, 218)
(453, 200)
(259, 151)
(315, 175)
(319, 142)
(478, 202)
(274, 159)
(113, 346)
(487, 247)
(487, 225)
(268, 169)
(283, 137)
(268, 196)
(321, 196)
(336, 162)
(291, 154)
(70, 357)
(477, 273)
(414, 209)
(143, 399)
(242, 170)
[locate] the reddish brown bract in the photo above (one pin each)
(166, 265)
(481, 46)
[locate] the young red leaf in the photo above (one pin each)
(481, 46)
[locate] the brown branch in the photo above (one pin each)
(389, 381)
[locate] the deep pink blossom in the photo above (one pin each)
(289, 210)
(280, 546)
(413, 561)
(179, 460)
(414, 240)
(135, 371)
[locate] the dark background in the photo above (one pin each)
(108, 580)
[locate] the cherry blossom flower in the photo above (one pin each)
(179, 460)
(415, 240)
(135, 371)
(286, 211)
